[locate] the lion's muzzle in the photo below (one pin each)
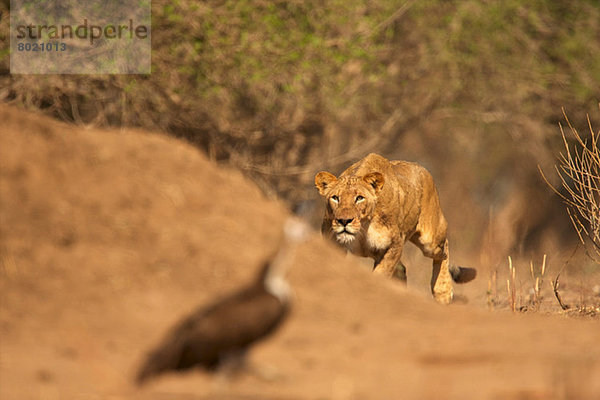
(345, 229)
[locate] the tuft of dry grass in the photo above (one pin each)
(534, 300)
(511, 285)
(537, 286)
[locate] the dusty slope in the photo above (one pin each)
(108, 237)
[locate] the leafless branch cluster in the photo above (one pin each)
(579, 171)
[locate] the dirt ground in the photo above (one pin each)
(109, 237)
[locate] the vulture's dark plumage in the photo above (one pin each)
(213, 335)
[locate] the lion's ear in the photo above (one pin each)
(375, 179)
(324, 180)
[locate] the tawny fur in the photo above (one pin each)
(376, 205)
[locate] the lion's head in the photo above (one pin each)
(350, 200)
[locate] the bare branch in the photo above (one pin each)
(578, 170)
(557, 295)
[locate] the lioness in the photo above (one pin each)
(376, 205)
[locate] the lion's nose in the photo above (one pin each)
(345, 222)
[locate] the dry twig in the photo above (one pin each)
(555, 285)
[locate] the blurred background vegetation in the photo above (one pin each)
(471, 89)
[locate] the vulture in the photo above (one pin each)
(219, 335)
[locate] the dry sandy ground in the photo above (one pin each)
(109, 237)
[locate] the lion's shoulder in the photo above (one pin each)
(399, 175)
(371, 163)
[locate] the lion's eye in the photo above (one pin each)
(359, 199)
(335, 199)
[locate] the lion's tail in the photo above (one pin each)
(462, 274)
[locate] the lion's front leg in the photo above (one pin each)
(387, 263)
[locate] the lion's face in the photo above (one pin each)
(350, 202)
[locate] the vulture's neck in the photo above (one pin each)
(274, 278)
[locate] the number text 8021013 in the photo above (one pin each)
(56, 46)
